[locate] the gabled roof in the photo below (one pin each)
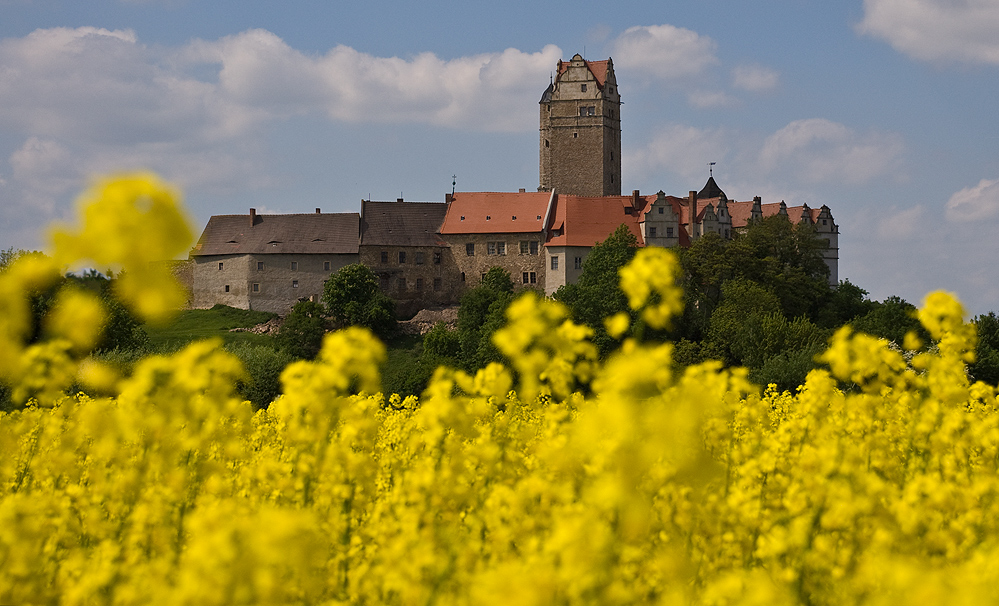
(328, 233)
(585, 221)
(597, 68)
(401, 223)
(741, 212)
(495, 213)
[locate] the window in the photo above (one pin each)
(462, 276)
(326, 265)
(402, 257)
(669, 232)
(589, 110)
(384, 256)
(227, 288)
(524, 247)
(554, 262)
(437, 258)
(419, 284)
(256, 287)
(220, 265)
(383, 281)
(578, 262)
(437, 284)
(524, 278)
(260, 266)
(582, 88)
(401, 284)
(534, 248)
(294, 283)
(652, 232)
(661, 209)
(470, 249)
(294, 266)
(490, 248)
(421, 258)
(501, 248)
(534, 277)
(574, 135)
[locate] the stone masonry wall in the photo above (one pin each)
(427, 276)
(475, 265)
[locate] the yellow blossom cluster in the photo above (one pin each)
(559, 479)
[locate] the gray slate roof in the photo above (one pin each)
(402, 223)
(328, 233)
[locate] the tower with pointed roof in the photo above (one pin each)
(581, 130)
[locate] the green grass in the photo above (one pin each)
(193, 324)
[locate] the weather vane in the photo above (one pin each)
(454, 181)
(711, 172)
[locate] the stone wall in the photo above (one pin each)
(426, 276)
(271, 283)
(570, 266)
(472, 267)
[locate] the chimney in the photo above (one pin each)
(319, 212)
(522, 190)
(448, 197)
(634, 199)
(253, 216)
(398, 199)
(692, 203)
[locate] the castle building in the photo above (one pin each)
(427, 254)
(581, 130)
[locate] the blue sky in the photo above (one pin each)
(885, 110)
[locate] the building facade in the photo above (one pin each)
(427, 254)
(581, 130)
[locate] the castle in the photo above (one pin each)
(428, 253)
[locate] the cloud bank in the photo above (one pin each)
(975, 203)
(936, 30)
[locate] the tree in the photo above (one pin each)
(986, 365)
(482, 311)
(352, 298)
(301, 334)
(890, 319)
(597, 293)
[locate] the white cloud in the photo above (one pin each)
(901, 224)
(663, 51)
(708, 99)
(936, 30)
(680, 149)
(975, 203)
(818, 150)
(754, 78)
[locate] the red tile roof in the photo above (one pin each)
(584, 221)
(597, 68)
(495, 212)
(741, 211)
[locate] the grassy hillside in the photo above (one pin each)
(194, 324)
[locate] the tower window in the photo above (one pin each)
(582, 87)
(575, 135)
(220, 265)
(554, 262)
(227, 288)
(546, 142)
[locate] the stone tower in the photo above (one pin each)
(581, 130)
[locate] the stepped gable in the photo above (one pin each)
(495, 213)
(313, 233)
(597, 68)
(402, 223)
(741, 212)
